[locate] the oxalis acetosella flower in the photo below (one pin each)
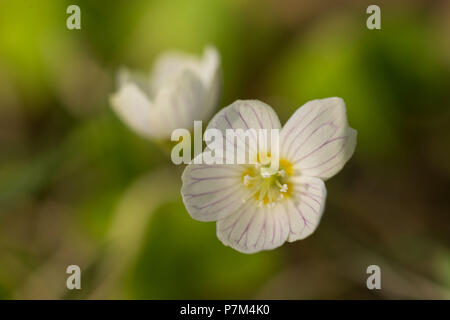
(180, 89)
(257, 207)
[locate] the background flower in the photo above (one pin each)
(180, 89)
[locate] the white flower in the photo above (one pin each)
(180, 89)
(258, 211)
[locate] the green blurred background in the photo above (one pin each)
(78, 187)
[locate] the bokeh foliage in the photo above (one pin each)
(78, 187)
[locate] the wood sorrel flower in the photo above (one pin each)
(180, 89)
(257, 208)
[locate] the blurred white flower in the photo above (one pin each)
(180, 89)
(255, 207)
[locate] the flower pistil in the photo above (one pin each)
(266, 185)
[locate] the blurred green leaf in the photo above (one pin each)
(182, 258)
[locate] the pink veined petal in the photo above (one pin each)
(252, 229)
(248, 115)
(317, 138)
(212, 192)
(305, 207)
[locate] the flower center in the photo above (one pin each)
(266, 185)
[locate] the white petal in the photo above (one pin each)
(176, 105)
(210, 73)
(248, 115)
(179, 102)
(251, 228)
(185, 88)
(212, 192)
(245, 114)
(134, 108)
(170, 65)
(317, 138)
(181, 88)
(305, 207)
(210, 64)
